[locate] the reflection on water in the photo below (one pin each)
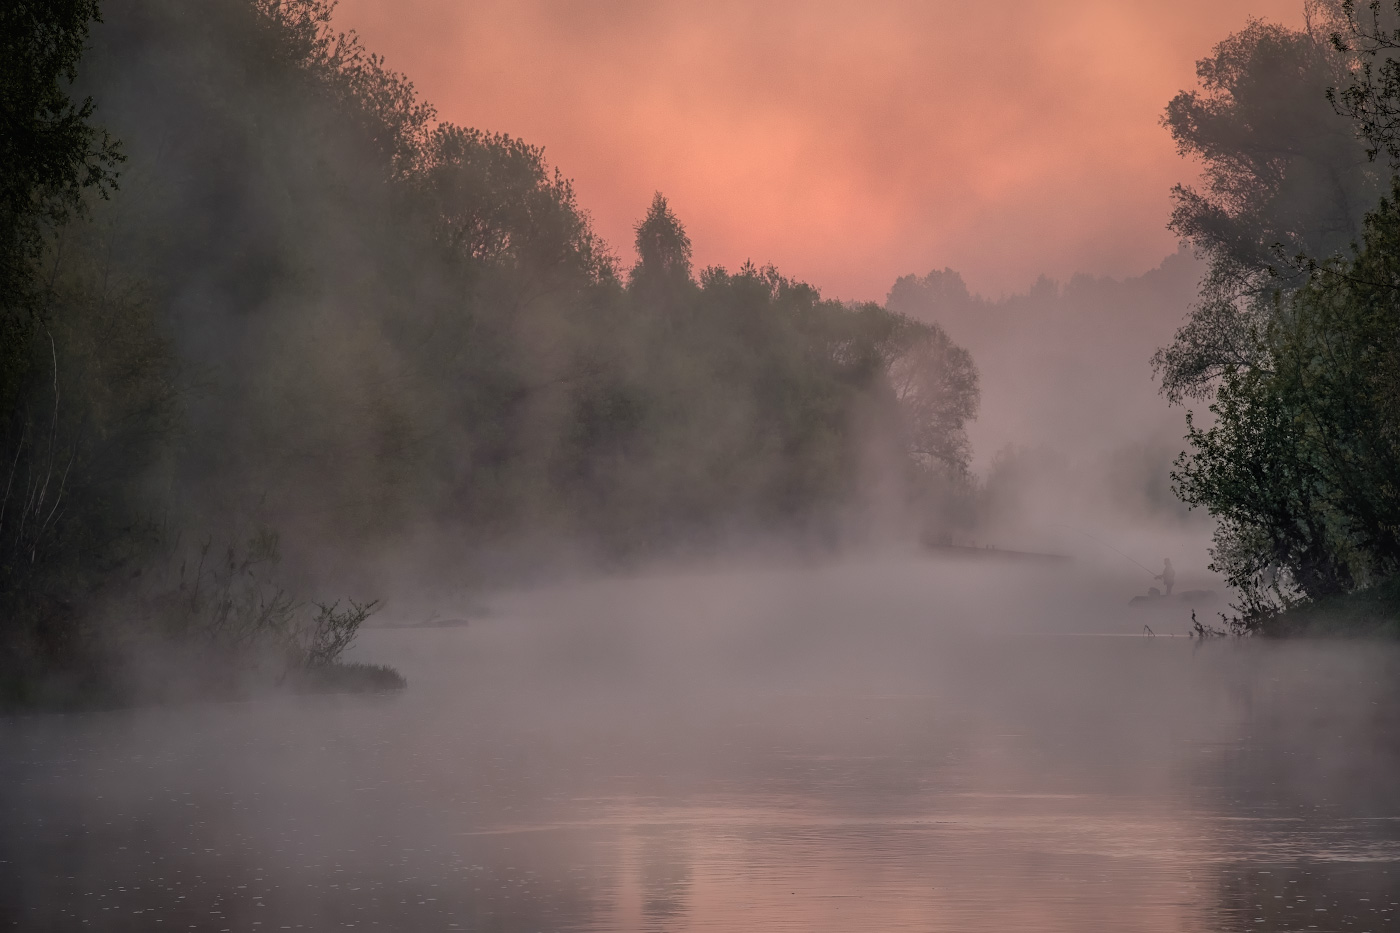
(800, 750)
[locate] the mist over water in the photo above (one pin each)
(893, 743)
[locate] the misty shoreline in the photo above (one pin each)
(281, 342)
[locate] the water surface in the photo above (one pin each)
(890, 746)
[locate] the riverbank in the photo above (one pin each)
(1371, 613)
(89, 690)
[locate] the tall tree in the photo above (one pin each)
(936, 384)
(1283, 175)
(1301, 462)
(49, 153)
(663, 250)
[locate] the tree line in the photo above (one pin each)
(266, 319)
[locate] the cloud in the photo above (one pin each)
(849, 143)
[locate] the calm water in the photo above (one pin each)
(885, 747)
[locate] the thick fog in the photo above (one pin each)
(1073, 441)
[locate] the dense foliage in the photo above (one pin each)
(51, 153)
(79, 358)
(1283, 175)
(317, 308)
(1300, 461)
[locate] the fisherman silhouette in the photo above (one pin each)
(1167, 576)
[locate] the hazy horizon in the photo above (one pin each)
(847, 145)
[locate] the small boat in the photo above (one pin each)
(1188, 598)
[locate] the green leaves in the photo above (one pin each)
(1302, 464)
(49, 154)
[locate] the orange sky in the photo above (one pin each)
(847, 142)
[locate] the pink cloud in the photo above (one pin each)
(849, 143)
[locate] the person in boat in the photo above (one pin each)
(1167, 576)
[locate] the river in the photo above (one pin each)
(894, 745)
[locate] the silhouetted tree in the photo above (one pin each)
(663, 251)
(936, 385)
(50, 152)
(1369, 93)
(937, 296)
(499, 204)
(1283, 176)
(1294, 342)
(1301, 461)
